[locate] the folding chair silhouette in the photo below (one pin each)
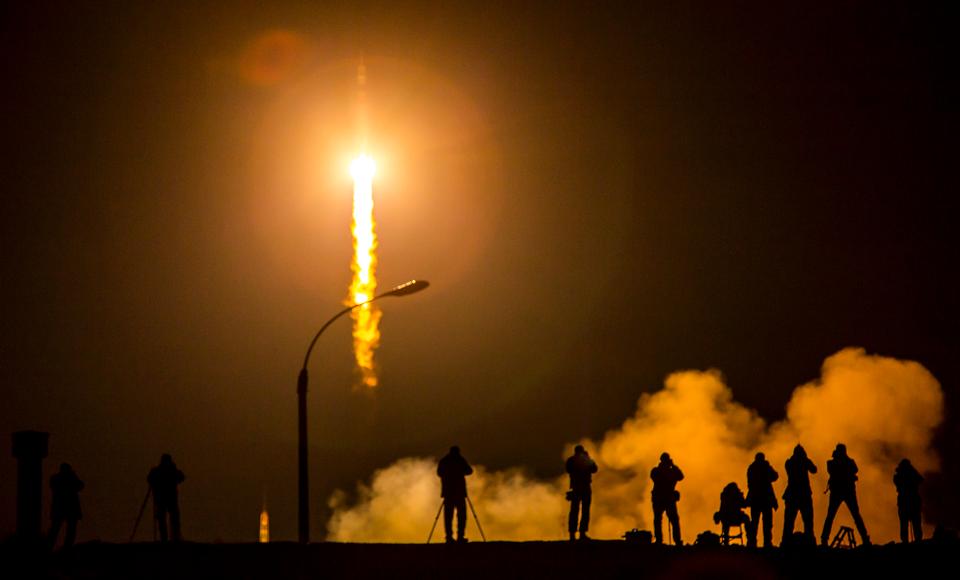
(725, 538)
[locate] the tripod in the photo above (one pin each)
(432, 528)
(472, 510)
(143, 506)
(476, 519)
(844, 538)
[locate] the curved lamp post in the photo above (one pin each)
(303, 479)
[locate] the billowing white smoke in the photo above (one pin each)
(882, 408)
(402, 501)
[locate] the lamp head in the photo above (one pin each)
(408, 288)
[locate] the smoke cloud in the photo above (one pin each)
(883, 409)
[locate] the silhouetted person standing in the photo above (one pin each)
(163, 480)
(908, 480)
(665, 497)
(761, 499)
(453, 470)
(843, 489)
(65, 488)
(798, 497)
(731, 512)
(581, 469)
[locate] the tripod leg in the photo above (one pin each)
(435, 520)
(143, 506)
(476, 519)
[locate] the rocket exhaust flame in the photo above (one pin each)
(366, 319)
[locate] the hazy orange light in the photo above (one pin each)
(366, 319)
(264, 526)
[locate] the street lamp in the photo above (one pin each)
(303, 479)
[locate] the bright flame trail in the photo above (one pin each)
(366, 319)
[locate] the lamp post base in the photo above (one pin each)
(303, 475)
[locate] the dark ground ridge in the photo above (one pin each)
(489, 561)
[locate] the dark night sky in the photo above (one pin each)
(598, 196)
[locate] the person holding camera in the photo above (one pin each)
(761, 499)
(798, 497)
(163, 480)
(843, 489)
(452, 470)
(581, 468)
(665, 497)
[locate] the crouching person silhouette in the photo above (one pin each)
(453, 470)
(581, 469)
(731, 514)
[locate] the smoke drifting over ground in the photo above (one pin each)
(882, 408)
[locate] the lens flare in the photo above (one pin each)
(366, 319)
